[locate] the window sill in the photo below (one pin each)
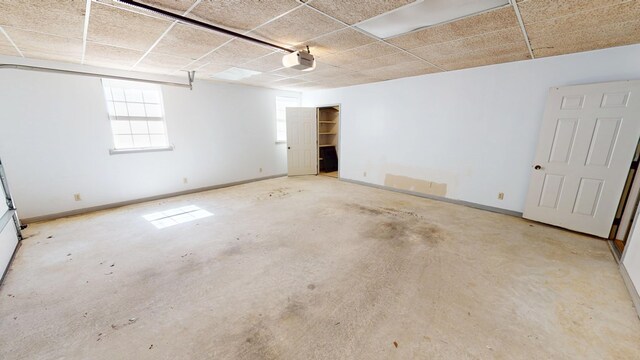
(144, 150)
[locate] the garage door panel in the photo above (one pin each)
(8, 243)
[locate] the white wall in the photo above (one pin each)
(55, 137)
(474, 130)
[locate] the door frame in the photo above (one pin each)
(339, 142)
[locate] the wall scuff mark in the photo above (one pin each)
(416, 185)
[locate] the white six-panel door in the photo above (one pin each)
(587, 142)
(302, 146)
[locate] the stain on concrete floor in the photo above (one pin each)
(321, 269)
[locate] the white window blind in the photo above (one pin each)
(136, 114)
(282, 103)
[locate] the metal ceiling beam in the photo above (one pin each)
(191, 75)
(514, 3)
(186, 20)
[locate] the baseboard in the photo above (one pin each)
(635, 297)
(438, 198)
(614, 252)
(141, 200)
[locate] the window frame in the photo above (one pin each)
(289, 99)
(110, 101)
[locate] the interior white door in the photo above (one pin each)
(587, 142)
(302, 146)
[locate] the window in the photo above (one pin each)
(136, 114)
(282, 103)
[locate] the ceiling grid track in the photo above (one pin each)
(85, 31)
(514, 3)
(11, 41)
(173, 24)
(375, 37)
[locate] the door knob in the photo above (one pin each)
(289, 147)
(537, 167)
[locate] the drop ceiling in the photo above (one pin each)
(107, 34)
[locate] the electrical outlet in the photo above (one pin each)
(260, 169)
(77, 197)
(185, 180)
(500, 196)
(365, 174)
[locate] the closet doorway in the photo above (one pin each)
(328, 140)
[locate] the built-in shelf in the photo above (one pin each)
(328, 129)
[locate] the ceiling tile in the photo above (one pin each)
(340, 40)
(209, 69)
(617, 34)
(541, 10)
(488, 60)
(162, 63)
(323, 71)
(266, 63)
(350, 79)
(188, 41)
(262, 79)
(494, 55)
(414, 68)
(298, 26)
(629, 11)
(359, 54)
(286, 82)
(43, 46)
(439, 51)
(6, 48)
(111, 56)
(237, 52)
(355, 11)
(288, 72)
(306, 86)
(195, 65)
(399, 57)
(470, 26)
(61, 18)
(510, 35)
(117, 27)
(592, 29)
(242, 15)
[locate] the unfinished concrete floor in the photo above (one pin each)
(313, 268)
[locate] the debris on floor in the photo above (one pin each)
(120, 326)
